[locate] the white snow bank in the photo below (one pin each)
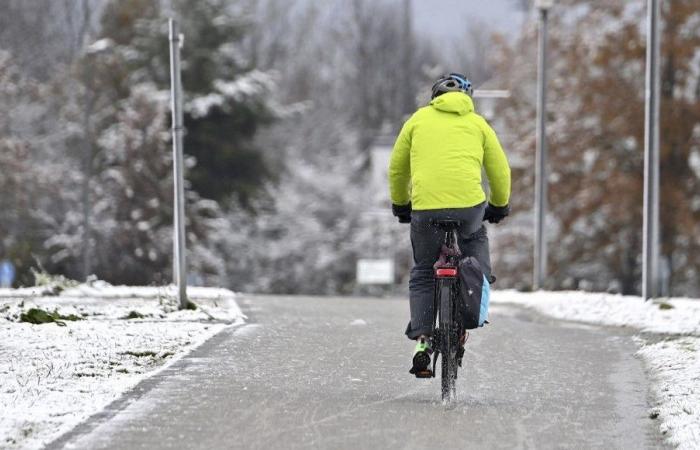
(675, 367)
(671, 316)
(674, 363)
(101, 301)
(53, 377)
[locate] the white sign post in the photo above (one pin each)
(375, 271)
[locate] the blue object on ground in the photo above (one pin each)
(7, 274)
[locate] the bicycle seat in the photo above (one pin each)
(446, 224)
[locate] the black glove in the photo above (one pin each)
(494, 214)
(403, 212)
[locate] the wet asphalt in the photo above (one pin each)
(332, 373)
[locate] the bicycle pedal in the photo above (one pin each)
(427, 373)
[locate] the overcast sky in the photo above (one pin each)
(448, 18)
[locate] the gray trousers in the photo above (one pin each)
(427, 241)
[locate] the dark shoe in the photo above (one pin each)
(421, 359)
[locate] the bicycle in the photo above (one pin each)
(446, 335)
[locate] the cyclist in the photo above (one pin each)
(435, 173)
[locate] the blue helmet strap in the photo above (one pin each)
(460, 78)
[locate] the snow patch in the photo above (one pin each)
(99, 46)
(676, 368)
(358, 323)
(671, 316)
(54, 377)
(246, 330)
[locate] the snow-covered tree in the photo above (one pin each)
(119, 128)
(226, 98)
(32, 171)
(337, 88)
(596, 138)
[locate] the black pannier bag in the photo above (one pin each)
(473, 310)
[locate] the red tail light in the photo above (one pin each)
(446, 272)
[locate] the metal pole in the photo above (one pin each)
(408, 47)
(650, 264)
(87, 178)
(540, 254)
(179, 273)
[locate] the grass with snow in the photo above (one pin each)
(675, 365)
(68, 351)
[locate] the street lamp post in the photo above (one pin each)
(88, 156)
(179, 272)
(408, 48)
(540, 247)
(650, 263)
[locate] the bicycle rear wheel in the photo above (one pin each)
(449, 340)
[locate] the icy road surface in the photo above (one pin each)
(333, 373)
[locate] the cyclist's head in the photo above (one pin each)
(454, 82)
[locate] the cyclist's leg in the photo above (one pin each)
(426, 242)
(473, 240)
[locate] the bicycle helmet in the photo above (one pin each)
(454, 82)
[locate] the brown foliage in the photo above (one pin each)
(596, 139)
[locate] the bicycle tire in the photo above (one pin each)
(449, 351)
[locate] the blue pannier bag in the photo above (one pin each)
(475, 290)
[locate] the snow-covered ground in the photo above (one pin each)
(55, 375)
(670, 347)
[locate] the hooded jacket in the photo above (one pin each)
(438, 157)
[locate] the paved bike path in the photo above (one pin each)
(332, 373)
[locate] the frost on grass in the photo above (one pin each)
(53, 377)
(675, 365)
(38, 316)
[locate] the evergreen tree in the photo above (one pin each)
(120, 130)
(226, 100)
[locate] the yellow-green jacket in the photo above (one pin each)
(437, 159)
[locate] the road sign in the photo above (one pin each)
(375, 271)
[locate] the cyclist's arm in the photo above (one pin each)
(400, 167)
(497, 168)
